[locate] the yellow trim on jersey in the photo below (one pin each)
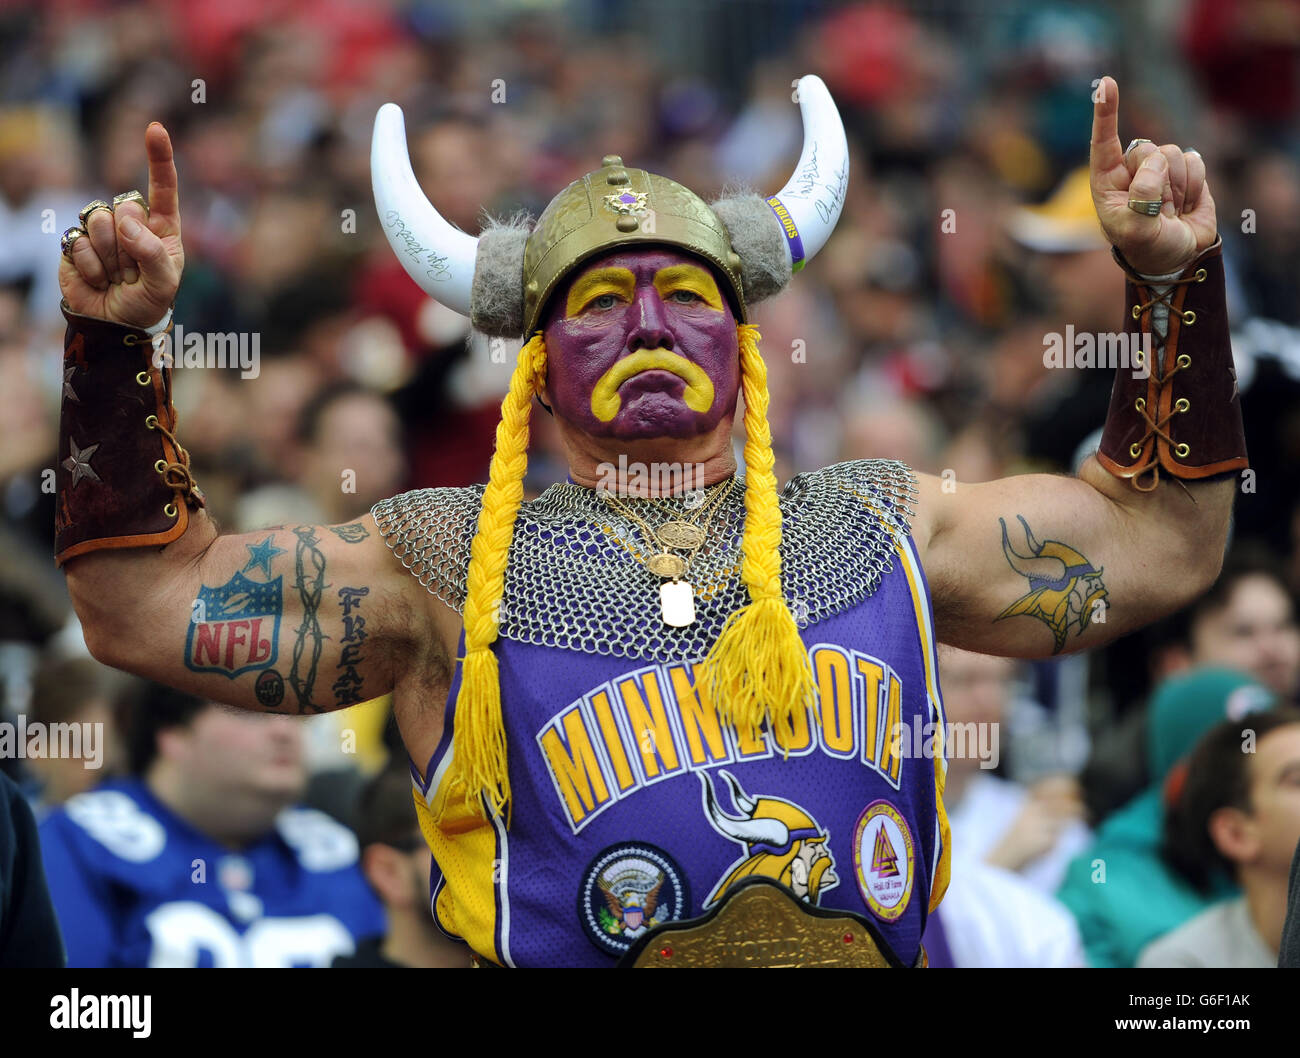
(464, 844)
(920, 606)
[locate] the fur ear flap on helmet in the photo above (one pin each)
(758, 241)
(497, 294)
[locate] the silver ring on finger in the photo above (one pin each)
(1148, 207)
(90, 208)
(68, 238)
(131, 196)
(1133, 144)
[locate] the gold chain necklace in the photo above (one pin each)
(676, 596)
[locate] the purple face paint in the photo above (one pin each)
(600, 375)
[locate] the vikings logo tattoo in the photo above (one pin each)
(1065, 589)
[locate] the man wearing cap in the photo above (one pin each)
(666, 712)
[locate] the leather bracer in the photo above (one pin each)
(123, 479)
(1185, 417)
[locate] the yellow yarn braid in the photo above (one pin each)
(479, 741)
(758, 668)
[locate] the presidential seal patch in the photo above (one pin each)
(884, 860)
(627, 890)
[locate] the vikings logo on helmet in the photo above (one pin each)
(781, 841)
(1064, 587)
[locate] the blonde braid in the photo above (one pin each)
(479, 741)
(758, 667)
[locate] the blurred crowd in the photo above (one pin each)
(967, 237)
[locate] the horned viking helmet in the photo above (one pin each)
(502, 279)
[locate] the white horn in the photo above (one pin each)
(814, 195)
(435, 254)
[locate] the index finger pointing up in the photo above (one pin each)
(164, 198)
(1107, 152)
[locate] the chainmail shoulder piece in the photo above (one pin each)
(575, 578)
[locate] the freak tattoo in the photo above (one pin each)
(309, 570)
(1065, 589)
(347, 688)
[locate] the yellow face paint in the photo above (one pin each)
(605, 400)
(617, 281)
(689, 277)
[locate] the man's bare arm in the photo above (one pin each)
(298, 618)
(295, 619)
(1038, 565)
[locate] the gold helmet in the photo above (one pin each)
(614, 206)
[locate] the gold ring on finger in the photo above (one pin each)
(67, 239)
(1148, 207)
(131, 196)
(90, 208)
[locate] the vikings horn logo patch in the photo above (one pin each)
(780, 840)
(884, 860)
(628, 890)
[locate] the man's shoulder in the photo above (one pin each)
(884, 490)
(112, 828)
(1205, 939)
(430, 532)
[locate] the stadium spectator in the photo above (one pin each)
(200, 857)
(396, 862)
(1237, 815)
(1121, 892)
(1033, 831)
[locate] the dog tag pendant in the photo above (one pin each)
(677, 598)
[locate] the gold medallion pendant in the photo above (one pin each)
(679, 534)
(677, 601)
(666, 565)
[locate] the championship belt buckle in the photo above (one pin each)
(761, 923)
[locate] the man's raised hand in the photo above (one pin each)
(127, 267)
(1185, 225)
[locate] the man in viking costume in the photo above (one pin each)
(561, 666)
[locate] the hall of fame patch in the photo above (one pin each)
(884, 860)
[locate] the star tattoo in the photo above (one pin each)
(79, 463)
(261, 555)
(68, 391)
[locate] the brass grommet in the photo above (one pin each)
(161, 466)
(1189, 317)
(170, 510)
(1200, 275)
(1182, 451)
(142, 378)
(1140, 404)
(1184, 360)
(1138, 357)
(1181, 404)
(1137, 311)
(151, 422)
(1135, 449)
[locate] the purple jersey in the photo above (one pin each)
(635, 805)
